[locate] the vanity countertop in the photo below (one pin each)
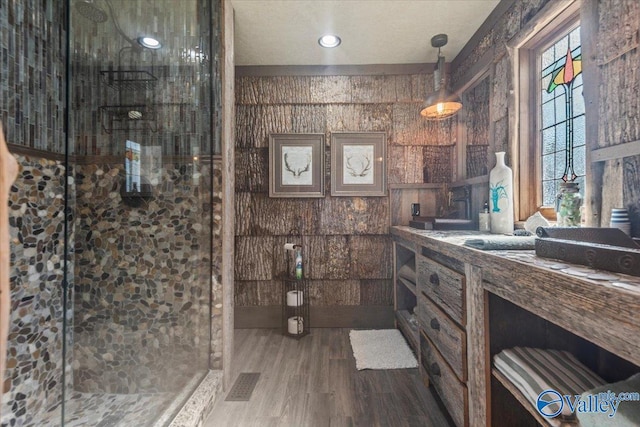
(601, 306)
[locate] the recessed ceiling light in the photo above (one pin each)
(149, 42)
(329, 40)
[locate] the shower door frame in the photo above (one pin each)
(225, 157)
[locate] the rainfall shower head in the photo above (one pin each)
(90, 11)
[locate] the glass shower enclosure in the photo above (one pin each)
(115, 216)
(142, 233)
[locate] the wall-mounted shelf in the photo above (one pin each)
(482, 179)
(135, 108)
(128, 117)
(416, 186)
(614, 152)
(128, 79)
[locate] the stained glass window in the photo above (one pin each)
(562, 115)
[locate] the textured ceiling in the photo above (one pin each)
(285, 32)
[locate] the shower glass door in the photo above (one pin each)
(141, 233)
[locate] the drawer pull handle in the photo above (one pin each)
(434, 279)
(435, 369)
(435, 324)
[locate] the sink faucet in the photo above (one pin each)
(466, 199)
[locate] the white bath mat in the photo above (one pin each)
(381, 349)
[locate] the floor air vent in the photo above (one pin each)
(243, 387)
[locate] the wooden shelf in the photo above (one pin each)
(409, 285)
(470, 181)
(438, 186)
(416, 186)
(511, 388)
(615, 152)
(409, 329)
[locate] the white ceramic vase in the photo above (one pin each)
(501, 197)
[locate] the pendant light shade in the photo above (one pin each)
(441, 104)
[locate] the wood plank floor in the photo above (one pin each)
(314, 382)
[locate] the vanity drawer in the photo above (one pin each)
(443, 285)
(449, 339)
(452, 392)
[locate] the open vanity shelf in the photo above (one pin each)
(407, 324)
(508, 385)
(405, 291)
(471, 304)
(430, 314)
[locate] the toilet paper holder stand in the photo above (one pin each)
(296, 320)
(295, 308)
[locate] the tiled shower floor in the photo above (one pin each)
(131, 410)
(111, 410)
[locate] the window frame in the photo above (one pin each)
(528, 145)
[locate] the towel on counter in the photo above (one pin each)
(488, 243)
(628, 412)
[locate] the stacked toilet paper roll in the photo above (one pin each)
(294, 298)
(295, 325)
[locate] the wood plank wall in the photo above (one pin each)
(619, 107)
(346, 242)
(610, 33)
(348, 250)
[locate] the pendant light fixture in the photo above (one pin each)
(441, 104)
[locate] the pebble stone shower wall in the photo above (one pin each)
(153, 337)
(142, 286)
(32, 105)
(33, 381)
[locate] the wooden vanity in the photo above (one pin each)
(466, 305)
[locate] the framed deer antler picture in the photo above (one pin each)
(358, 164)
(296, 165)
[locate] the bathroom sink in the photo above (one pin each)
(432, 223)
(601, 248)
